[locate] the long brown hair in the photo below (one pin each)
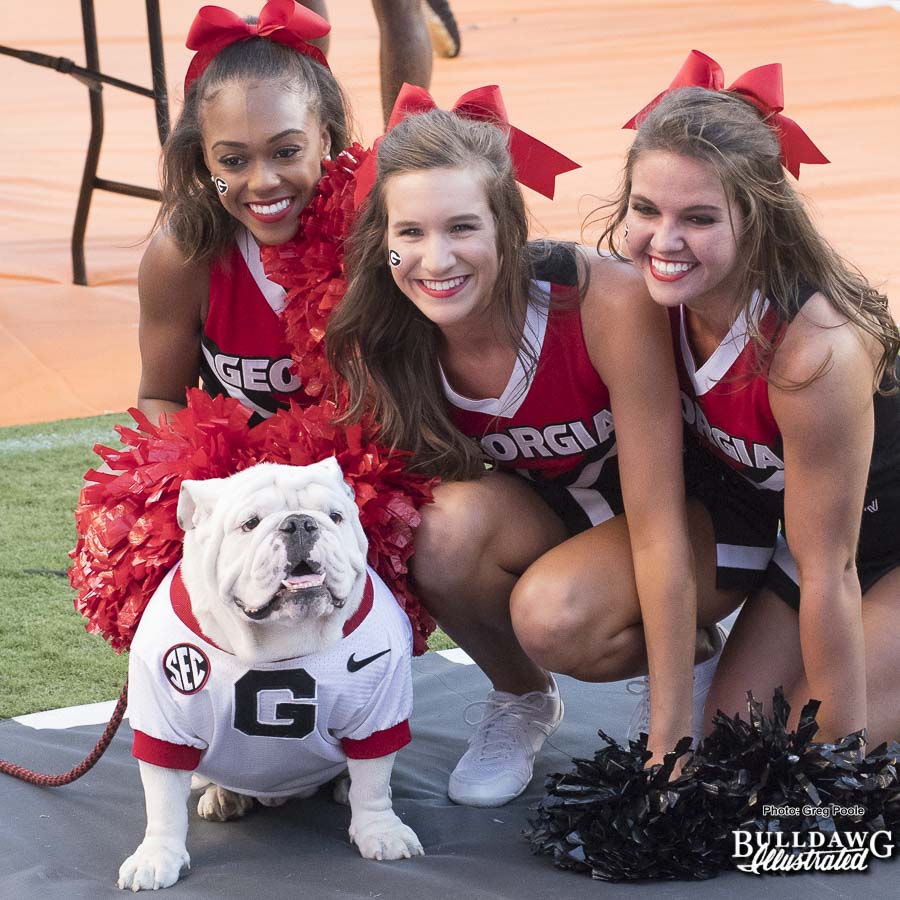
(378, 341)
(190, 209)
(781, 246)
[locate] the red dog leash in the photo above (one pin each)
(8, 768)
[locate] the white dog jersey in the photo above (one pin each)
(271, 729)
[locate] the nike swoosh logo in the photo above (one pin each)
(354, 664)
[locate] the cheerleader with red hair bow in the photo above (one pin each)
(553, 366)
(787, 361)
(261, 145)
(787, 358)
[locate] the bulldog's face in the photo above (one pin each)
(270, 546)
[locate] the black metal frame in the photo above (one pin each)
(91, 76)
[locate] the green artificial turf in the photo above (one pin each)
(47, 660)
(46, 657)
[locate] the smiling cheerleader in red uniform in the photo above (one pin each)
(788, 359)
(471, 346)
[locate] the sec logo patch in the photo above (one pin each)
(186, 668)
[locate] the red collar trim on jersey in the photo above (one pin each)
(181, 604)
(364, 608)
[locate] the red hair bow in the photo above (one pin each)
(282, 21)
(536, 164)
(763, 88)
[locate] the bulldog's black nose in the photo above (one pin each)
(297, 524)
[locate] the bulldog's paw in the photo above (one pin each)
(218, 804)
(385, 838)
(273, 801)
(157, 863)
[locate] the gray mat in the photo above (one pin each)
(68, 842)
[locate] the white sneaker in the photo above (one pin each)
(703, 677)
(500, 760)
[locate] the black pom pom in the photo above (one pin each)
(620, 821)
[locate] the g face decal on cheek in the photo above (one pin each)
(221, 185)
(394, 258)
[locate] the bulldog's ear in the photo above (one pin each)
(333, 467)
(196, 500)
(330, 464)
(340, 476)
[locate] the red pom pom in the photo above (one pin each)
(129, 536)
(315, 285)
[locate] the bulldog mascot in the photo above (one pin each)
(268, 662)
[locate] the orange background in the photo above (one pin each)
(571, 73)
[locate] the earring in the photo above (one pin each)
(625, 232)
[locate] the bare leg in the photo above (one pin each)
(763, 652)
(881, 626)
(576, 610)
(405, 48)
(474, 542)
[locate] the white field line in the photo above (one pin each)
(69, 716)
(867, 4)
(49, 440)
(100, 713)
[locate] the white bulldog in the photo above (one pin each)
(268, 663)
